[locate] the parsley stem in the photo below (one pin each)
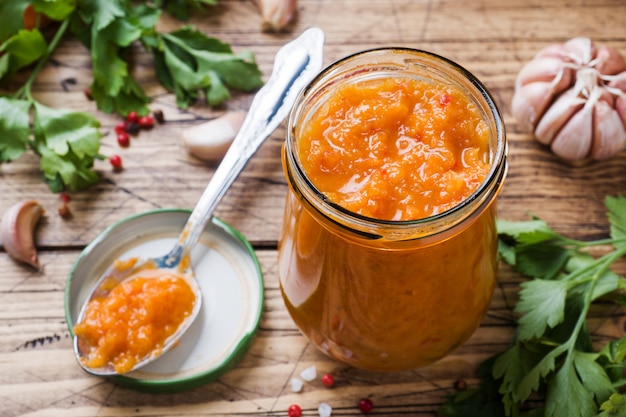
(609, 257)
(25, 91)
(582, 244)
(603, 264)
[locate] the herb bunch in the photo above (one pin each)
(187, 62)
(552, 360)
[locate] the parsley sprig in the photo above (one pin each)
(187, 62)
(552, 357)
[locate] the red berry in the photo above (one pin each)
(145, 122)
(328, 380)
(120, 128)
(65, 197)
(132, 117)
(294, 410)
(116, 161)
(123, 139)
(88, 93)
(366, 405)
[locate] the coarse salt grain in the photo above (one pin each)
(325, 410)
(309, 374)
(296, 384)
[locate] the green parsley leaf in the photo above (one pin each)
(187, 61)
(615, 351)
(566, 395)
(12, 17)
(526, 232)
(541, 260)
(55, 9)
(617, 218)
(100, 13)
(615, 406)
(180, 8)
(542, 303)
(509, 367)
(21, 50)
(593, 376)
(68, 143)
(14, 128)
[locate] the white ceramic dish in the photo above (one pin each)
(232, 289)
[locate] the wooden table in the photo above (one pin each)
(492, 38)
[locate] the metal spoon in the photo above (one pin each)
(295, 65)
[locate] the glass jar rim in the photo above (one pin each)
(481, 197)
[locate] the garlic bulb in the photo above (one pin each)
(572, 96)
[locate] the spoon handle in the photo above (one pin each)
(295, 65)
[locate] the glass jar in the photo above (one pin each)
(388, 295)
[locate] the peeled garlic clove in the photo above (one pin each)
(557, 115)
(609, 61)
(209, 141)
(276, 14)
(17, 231)
(573, 142)
(609, 134)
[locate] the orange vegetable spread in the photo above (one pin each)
(396, 148)
(131, 320)
(392, 148)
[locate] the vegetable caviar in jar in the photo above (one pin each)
(387, 257)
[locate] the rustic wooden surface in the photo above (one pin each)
(491, 38)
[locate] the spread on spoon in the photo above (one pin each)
(125, 322)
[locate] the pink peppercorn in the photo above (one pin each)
(366, 405)
(294, 410)
(328, 380)
(116, 161)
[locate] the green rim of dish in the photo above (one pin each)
(187, 382)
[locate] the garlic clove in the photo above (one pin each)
(609, 61)
(556, 50)
(209, 141)
(276, 14)
(17, 231)
(618, 81)
(573, 142)
(529, 103)
(618, 87)
(620, 108)
(546, 70)
(609, 135)
(557, 115)
(581, 50)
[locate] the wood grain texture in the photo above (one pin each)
(491, 38)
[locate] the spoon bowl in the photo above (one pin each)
(295, 65)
